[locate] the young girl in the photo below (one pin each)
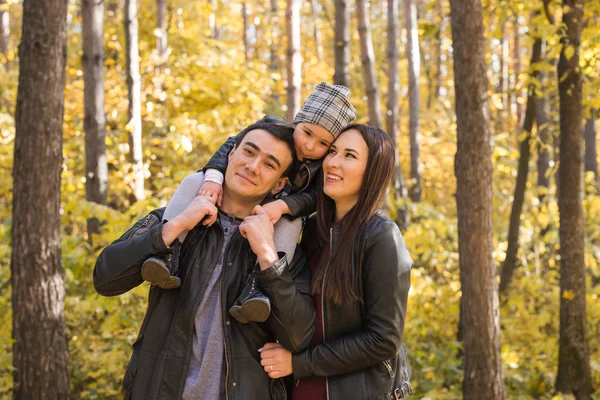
(325, 113)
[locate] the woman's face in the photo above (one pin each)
(344, 168)
(311, 141)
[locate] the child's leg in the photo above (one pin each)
(186, 192)
(286, 235)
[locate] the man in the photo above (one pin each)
(188, 346)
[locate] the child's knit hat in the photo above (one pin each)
(328, 106)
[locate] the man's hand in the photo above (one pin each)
(276, 361)
(212, 190)
(276, 209)
(258, 229)
(201, 207)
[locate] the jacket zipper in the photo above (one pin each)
(323, 302)
(389, 368)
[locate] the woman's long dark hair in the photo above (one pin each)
(337, 286)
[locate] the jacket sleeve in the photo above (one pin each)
(302, 204)
(219, 160)
(386, 281)
(118, 267)
(293, 316)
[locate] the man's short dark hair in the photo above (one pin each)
(282, 130)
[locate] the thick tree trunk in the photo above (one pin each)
(574, 354)
(591, 153)
(414, 60)
(294, 59)
(399, 185)
(510, 262)
(134, 97)
(543, 131)
(40, 355)
(316, 29)
(341, 75)
(94, 123)
(161, 25)
(245, 35)
(4, 32)
(368, 64)
(274, 34)
(473, 167)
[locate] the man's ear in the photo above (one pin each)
(279, 186)
(232, 151)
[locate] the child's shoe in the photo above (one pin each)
(161, 271)
(251, 305)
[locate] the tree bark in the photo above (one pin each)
(398, 183)
(40, 354)
(246, 39)
(316, 29)
(161, 25)
(368, 64)
(414, 67)
(294, 59)
(510, 261)
(342, 43)
(574, 374)
(94, 123)
(473, 168)
(134, 97)
(591, 153)
(4, 33)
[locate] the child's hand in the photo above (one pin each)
(276, 209)
(212, 190)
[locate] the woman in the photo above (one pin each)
(361, 278)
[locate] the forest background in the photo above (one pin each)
(211, 68)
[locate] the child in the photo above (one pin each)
(325, 113)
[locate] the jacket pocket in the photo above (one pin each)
(131, 371)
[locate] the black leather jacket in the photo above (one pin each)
(158, 367)
(362, 354)
(300, 200)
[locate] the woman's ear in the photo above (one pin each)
(279, 186)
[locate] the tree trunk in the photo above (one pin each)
(94, 123)
(368, 63)
(510, 261)
(574, 355)
(342, 43)
(246, 39)
(591, 153)
(161, 25)
(4, 32)
(274, 34)
(543, 131)
(392, 108)
(40, 354)
(414, 60)
(517, 67)
(473, 168)
(134, 97)
(212, 20)
(316, 29)
(294, 59)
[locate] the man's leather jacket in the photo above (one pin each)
(362, 354)
(161, 354)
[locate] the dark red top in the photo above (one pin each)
(313, 388)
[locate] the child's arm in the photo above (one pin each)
(218, 161)
(301, 204)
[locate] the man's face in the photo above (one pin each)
(256, 165)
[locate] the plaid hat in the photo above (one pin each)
(328, 106)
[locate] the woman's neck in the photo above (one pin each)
(342, 208)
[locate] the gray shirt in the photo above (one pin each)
(206, 374)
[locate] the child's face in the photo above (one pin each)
(311, 141)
